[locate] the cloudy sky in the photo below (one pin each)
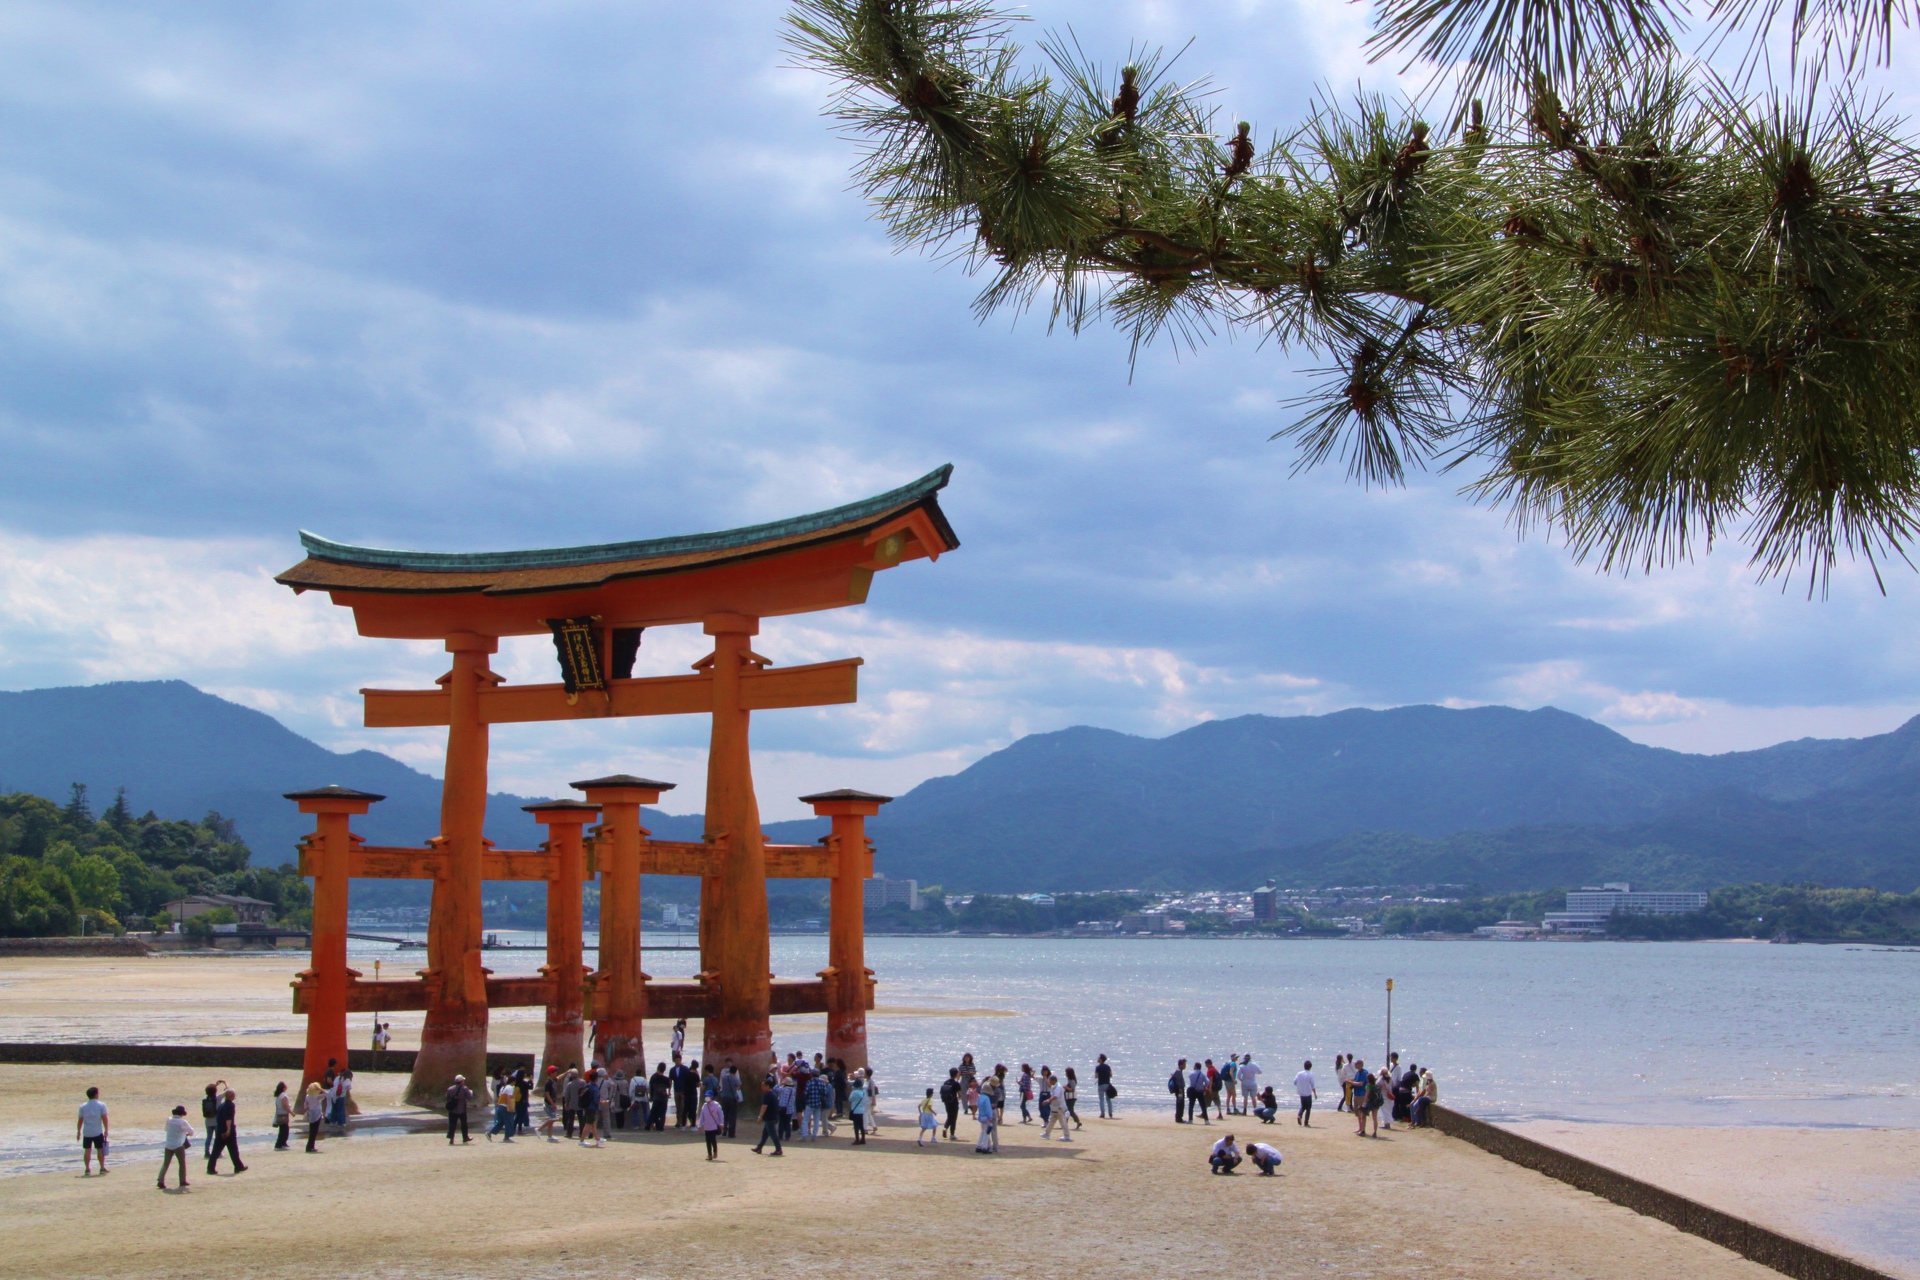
(478, 276)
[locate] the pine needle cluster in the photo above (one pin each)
(1637, 307)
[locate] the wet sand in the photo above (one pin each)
(1855, 1191)
(1130, 1197)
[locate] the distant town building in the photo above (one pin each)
(882, 892)
(1588, 909)
(247, 910)
(1508, 930)
(1266, 905)
(1143, 922)
(669, 913)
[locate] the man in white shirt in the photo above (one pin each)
(1056, 1110)
(91, 1129)
(1249, 1083)
(1225, 1157)
(1303, 1084)
(1265, 1157)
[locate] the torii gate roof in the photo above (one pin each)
(820, 561)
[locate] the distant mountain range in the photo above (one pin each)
(1492, 796)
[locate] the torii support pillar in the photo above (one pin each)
(564, 969)
(734, 951)
(846, 974)
(453, 1040)
(620, 990)
(327, 976)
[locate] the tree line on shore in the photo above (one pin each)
(64, 871)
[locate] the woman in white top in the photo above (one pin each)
(179, 1138)
(282, 1116)
(316, 1113)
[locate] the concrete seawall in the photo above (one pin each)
(222, 1057)
(1748, 1239)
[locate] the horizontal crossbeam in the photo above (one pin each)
(820, 684)
(663, 999)
(657, 858)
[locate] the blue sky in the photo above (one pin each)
(464, 276)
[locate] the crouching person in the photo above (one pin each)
(1225, 1157)
(1265, 1157)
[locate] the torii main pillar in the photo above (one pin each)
(735, 953)
(453, 1040)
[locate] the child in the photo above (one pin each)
(929, 1126)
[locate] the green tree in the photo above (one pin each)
(1637, 304)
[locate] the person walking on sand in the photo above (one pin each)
(458, 1097)
(1177, 1086)
(282, 1116)
(1026, 1095)
(769, 1115)
(972, 1099)
(989, 1137)
(1103, 1086)
(678, 1042)
(1343, 1071)
(227, 1116)
(1303, 1084)
(711, 1121)
(729, 1095)
(1072, 1096)
(179, 1138)
(550, 1103)
(929, 1122)
(1056, 1110)
(91, 1132)
(1230, 1083)
(208, 1105)
(950, 1091)
(1197, 1093)
(1249, 1074)
(316, 1115)
(503, 1099)
(859, 1104)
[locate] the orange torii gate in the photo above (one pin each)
(595, 601)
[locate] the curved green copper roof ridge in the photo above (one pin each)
(461, 561)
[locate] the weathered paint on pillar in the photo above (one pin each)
(620, 996)
(453, 1040)
(733, 907)
(327, 975)
(846, 974)
(565, 967)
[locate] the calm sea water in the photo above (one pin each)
(1666, 1033)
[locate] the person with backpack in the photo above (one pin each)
(1103, 1086)
(503, 1100)
(950, 1091)
(729, 1095)
(1177, 1086)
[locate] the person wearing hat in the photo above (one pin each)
(458, 1096)
(179, 1138)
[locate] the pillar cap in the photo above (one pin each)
(333, 791)
(846, 801)
(580, 807)
(623, 788)
(623, 780)
(333, 799)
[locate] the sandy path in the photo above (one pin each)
(1856, 1191)
(1131, 1196)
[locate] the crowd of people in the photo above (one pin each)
(801, 1100)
